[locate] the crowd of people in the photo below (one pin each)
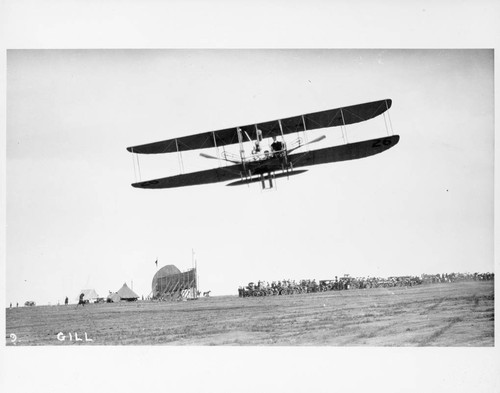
(346, 282)
(454, 277)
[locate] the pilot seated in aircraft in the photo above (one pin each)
(276, 148)
(256, 149)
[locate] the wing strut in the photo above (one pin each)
(305, 128)
(284, 146)
(242, 149)
(389, 129)
(216, 147)
(179, 157)
(134, 159)
(344, 130)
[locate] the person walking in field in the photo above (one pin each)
(81, 301)
(66, 301)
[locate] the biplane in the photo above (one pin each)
(281, 159)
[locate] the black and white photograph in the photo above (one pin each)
(256, 205)
(169, 186)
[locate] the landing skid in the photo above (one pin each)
(264, 179)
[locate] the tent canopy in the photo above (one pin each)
(89, 294)
(126, 293)
(114, 297)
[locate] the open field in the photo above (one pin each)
(454, 314)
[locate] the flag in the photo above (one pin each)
(156, 262)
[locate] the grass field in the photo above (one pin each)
(455, 314)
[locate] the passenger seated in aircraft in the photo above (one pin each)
(256, 148)
(276, 147)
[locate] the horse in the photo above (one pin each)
(206, 294)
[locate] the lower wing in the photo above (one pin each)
(191, 179)
(350, 151)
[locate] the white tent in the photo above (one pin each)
(113, 297)
(89, 294)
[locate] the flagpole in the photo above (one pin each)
(156, 283)
(192, 267)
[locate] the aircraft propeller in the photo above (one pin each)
(204, 155)
(320, 138)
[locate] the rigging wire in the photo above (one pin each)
(343, 128)
(389, 117)
(217, 149)
(390, 122)
(224, 153)
(138, 167)
(389, 129)
(386, 128)
(135, 171)
(179, 157)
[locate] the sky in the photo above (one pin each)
(74, 221)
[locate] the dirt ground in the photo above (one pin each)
(443, 315)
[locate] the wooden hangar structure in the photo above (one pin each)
(169, 283)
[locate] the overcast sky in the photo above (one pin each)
(74, 221)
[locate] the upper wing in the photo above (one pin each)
(190, 179)
(329, 118)
(349, 151)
